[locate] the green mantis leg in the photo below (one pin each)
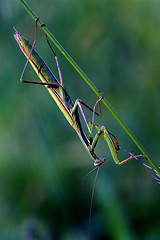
(113, 145)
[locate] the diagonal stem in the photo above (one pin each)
(92, 86)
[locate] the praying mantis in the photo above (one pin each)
(70, 109)
(66, 105)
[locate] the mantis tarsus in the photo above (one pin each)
(64, 102)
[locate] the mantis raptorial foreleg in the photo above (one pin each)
(113, 145)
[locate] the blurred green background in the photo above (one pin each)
(42, 161)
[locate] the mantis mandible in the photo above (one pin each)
(66, 105)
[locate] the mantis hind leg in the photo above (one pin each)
(56, 58)
(55, 85)
(34, 43)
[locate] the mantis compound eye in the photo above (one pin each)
(99, 162)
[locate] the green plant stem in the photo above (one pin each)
(92, 86)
